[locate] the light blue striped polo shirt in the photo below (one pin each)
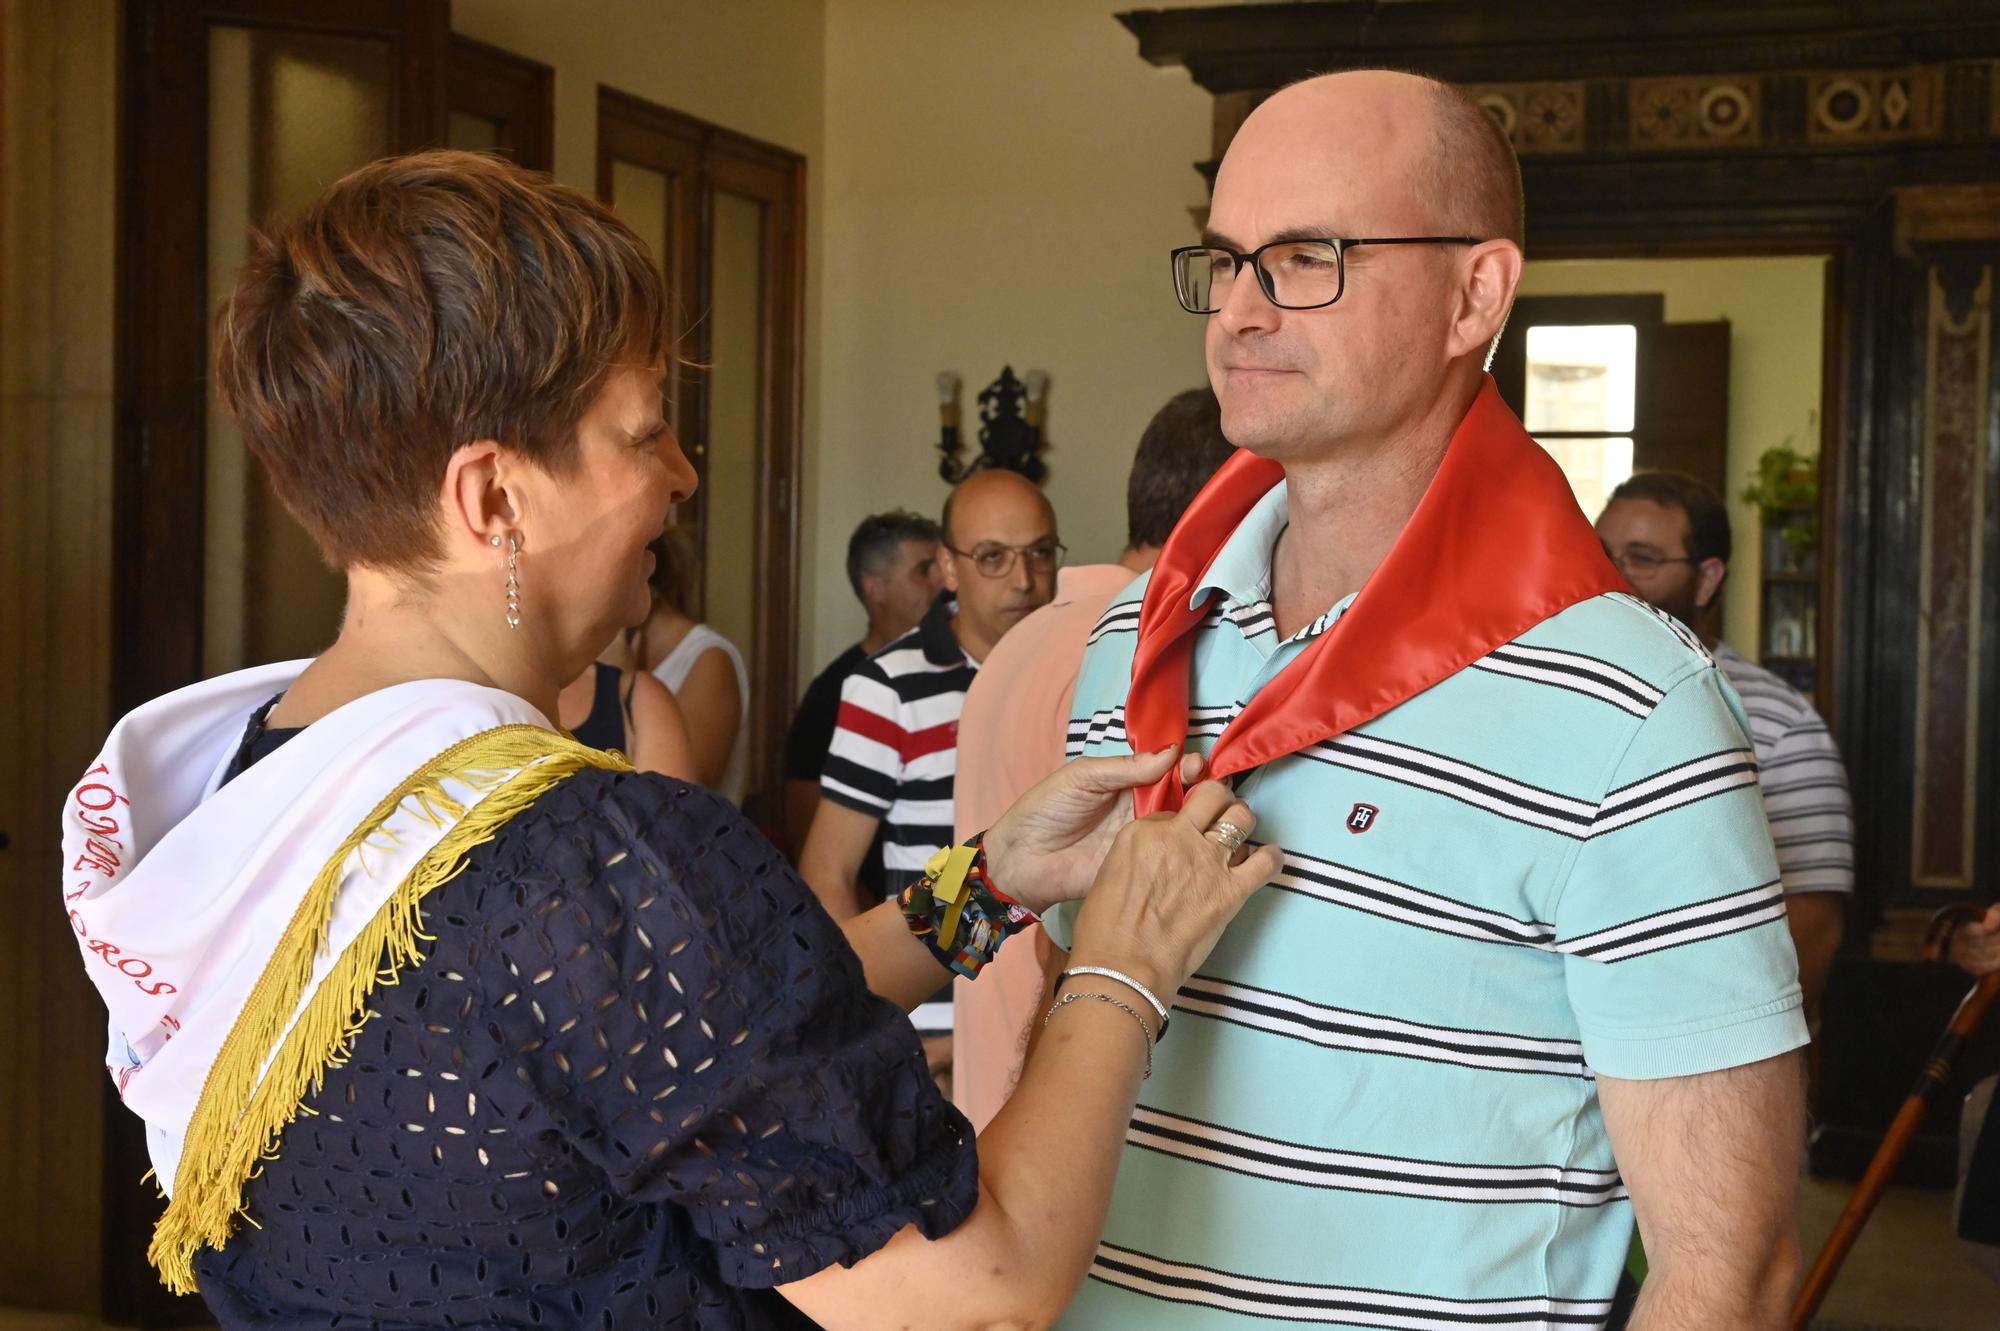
(1377, 1107)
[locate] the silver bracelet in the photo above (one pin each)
(1159, 1008)
(1080, 994)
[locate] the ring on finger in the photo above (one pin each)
(1229, 836)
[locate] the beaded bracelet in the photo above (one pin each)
(957, 911)
(1159, 1008)
(1078, 995)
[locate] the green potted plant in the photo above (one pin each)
(1785, 489)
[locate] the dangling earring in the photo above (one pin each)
(513, 579)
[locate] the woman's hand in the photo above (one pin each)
(1976, 945)
(1170, 885)
(1047, 846)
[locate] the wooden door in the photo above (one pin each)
(500, 102)
(1683, 407)
(234, 110)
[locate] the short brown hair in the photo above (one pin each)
(421, 303)
(1182, 447)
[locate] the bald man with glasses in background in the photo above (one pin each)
(894, 754)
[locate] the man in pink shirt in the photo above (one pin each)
(1011, 733)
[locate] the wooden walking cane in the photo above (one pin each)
(1964, 1024)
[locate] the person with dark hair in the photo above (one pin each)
(1016, 722)
(473, 1025)
(1526, 978)
(1669, 534)
(892, 565)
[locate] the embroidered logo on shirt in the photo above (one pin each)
(1361, 817)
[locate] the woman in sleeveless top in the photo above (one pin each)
(704, 670)
(631, 712)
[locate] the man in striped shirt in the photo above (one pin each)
(1523, 974)
(895, 747)
(1669, 534)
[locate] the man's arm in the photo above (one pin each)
(831, 862)
(1817, 920)
(1712, 1163)
(1804, 786)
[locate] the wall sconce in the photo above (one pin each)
(1011, 412)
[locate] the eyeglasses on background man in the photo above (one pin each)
(994, 560)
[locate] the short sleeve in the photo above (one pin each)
(701, 1033)
(1807, 803)
(1671, 921)
(864, 761)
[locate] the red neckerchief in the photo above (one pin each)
(1496, 546)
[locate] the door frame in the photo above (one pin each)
(712, 159)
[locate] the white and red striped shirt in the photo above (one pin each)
(895, 748)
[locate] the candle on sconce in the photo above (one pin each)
(947, 391)
(947, 443)
(1034, 385)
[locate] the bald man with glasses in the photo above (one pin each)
(1524, 973)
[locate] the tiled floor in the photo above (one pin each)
(1905, 1273)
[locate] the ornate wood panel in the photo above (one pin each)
(1958, 421)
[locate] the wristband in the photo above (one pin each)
(957, 912)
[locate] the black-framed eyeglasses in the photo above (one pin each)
(1295, 274)
(1640, 560)
(994, 560)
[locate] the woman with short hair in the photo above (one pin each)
(473, 1025)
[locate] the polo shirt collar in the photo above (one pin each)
(1496, 546)
(1241, 570)
(934, 633)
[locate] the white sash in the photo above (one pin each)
(234, 931)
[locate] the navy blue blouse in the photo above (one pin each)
(637, 1082)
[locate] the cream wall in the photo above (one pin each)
(1775, 307)
(1003, 181)
(757, 68)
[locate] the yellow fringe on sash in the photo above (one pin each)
(239, 1117)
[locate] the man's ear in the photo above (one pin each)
(1488, 275)
(947, 564)
(874, 589)
(476, 499)
(1708, 576)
